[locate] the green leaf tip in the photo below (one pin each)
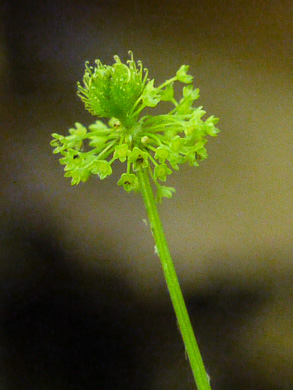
(158, 143)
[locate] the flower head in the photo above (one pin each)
(160, 143)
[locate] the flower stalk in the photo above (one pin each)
(200, 376)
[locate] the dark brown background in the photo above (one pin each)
(83, 303)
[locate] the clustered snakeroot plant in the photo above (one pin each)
(150, 146)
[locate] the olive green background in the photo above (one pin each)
(80, 252)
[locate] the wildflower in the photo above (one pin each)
(159, 143)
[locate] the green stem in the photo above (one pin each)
(196, 363)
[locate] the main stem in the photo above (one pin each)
(191, 347)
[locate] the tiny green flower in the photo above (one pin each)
(190, 93)
(98, 141)
(167, 94)
(177, 143)
(114, 123)
(161, 171)
(121, 152)
(71, 159)
(195, 126)
(99, 127)
(164, 192)
(162, 153)
(79, 130)
(129, 181)
(191, 158)
(138, 158)
(77, 176)
(59, 143)
(210, 126)
(75, 140)
(176, 159)
(183, 76)
(185, 105)
(200, 151)
(151, 95)
(101, 168)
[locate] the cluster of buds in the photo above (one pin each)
(157, 143)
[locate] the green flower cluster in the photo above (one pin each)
(158, 143)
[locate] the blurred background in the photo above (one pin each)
(83, 302)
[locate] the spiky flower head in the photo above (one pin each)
(159, 143)
(113, 91)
